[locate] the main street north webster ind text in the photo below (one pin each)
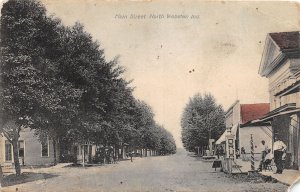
(156, 16)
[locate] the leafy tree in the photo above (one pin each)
(31, 47)
(144, 122)
(151, 135)
(166, 143)
(106, 96)
(23, 28)
(55, 80)
(202, 119)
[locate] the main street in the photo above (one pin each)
(179, 172)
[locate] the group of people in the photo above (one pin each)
(105, 156)
(279, 154)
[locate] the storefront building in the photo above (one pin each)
(281, 65)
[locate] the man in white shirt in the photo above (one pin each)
(279, 148)
(264, 150)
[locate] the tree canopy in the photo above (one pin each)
(202, 119)
(55, 79)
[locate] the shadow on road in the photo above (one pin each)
(25, 177)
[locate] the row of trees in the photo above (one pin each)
(55, 79)
(202, 119)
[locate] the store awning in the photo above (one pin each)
(221, 139)
(233, 130)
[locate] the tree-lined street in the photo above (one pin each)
(56, 81)
(178, 172)
(104, 106)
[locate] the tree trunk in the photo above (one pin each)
(54, 151)
(90, 153)
(1, 176)
(116, 152)
(142, 152)
(16, 156)
(75, 160)
(122, 152)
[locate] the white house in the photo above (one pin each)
(32, 151)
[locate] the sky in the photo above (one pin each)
(218, 51)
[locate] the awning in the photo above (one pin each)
(221, 139)
(233, 130)
(255, 123)
(269, 117)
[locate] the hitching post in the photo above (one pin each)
(252, 153)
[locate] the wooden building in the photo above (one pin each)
(281, 65)
(238, 120)
(32, 150)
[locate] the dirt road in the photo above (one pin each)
(178, 172)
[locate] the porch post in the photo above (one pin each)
(297, 150)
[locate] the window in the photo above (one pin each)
(8, 154)
(21, 148)
(45, 148)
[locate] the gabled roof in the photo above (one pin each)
(279, 47)
(250, 112)
(229, 110)
(287, 40)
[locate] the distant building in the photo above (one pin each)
(260, 131)
(31, 150)
(237, 120)
(281, 65)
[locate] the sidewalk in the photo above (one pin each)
(244, 166)
(288, 176)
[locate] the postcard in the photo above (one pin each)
(149, 95)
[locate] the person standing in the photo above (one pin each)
(218, 152)
(279, 148)
(237, 153)
(131, 155)
(243, 152)
(221, 151)
(264, 150)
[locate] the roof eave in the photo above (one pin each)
(231, 106)
(262, 61)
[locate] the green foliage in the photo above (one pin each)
(151, 135)
(202, 119)
(55, 80)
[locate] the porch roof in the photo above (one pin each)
(255, 123)
(284, 110)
